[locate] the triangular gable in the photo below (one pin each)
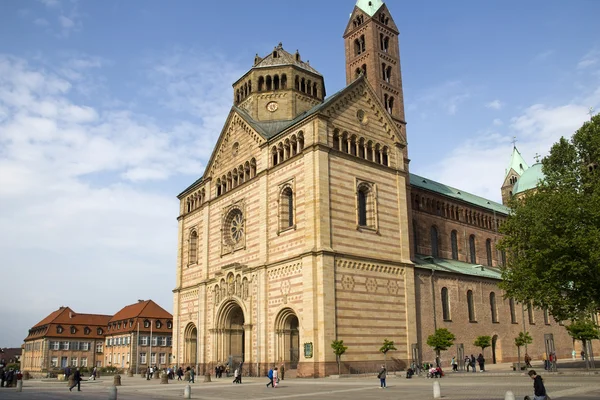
(357, 11)
(391, 24)
(355, 88)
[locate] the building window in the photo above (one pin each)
(434, 242)
(153, 358)
(99, 331)
(98, 347)
(154, 341)
(471, 306)
(143, 340)
(142, 358)
(169, 341)
(59, 329)
(366, 207)
(513, 312)
(193, 247)
(169, 325)
(158, 324)
(493, 307)
(55, 345)
(146, 324)
(445, 304)
(54, 362)
(162, 358)
(84, 361)
(86, 330)
(546, 316)
(530, 313)
(163, 341)
(454, 240)
(64, 346)
(415, 237)
(85, 346)
(472, 255)
(128, 357)
(73, 361)
(286, 208)
(488, 251)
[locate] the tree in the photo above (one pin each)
(338, 349)
(523, 339)
(551, 234)
(441, 340)
(387, 346)
(483, 342)
(585, 330)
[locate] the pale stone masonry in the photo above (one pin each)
(307, 227)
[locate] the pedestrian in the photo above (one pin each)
(241, 369)
(582, 355)
(382, 375)
(553, 360)
(527, 360)
(275, 377)
(236, 373)
(481, 362)
(467, 363)
(454, 364)
(192, 374)
(473, 363)
(76, 381)
(539, 390)
(282, 370)
(270, 376)
(180, 374)
(67, 372)
(93, 375)
(546, 362)
(2, 376)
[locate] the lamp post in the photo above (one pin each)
(137, 351)
(150, 355)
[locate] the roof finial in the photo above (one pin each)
(537, 157)
(591, 112)
(514, 142)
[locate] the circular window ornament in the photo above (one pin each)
(272, 106)
(234, 227)
(362, 116)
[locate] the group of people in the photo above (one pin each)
(219, 369)
(274, 376)
(9, 377)
(471, 362)
(549, 361)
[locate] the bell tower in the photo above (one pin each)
(372, 49)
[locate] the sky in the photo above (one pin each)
(109, 109)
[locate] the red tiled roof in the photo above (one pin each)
(142, 309)
(66, 318)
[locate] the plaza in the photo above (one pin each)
(572, 384)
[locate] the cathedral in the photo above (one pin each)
(307, 227)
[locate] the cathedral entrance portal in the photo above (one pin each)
(288, 338)
(231, 335)
(190, 345)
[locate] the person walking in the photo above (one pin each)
(270, 376)
(546, 363)
(93, 375)
(236, 374)
(282, 370)
(180, 374)
(467, 363)
(527, 360)
(382, 375)
(192, 374)
(539, 390)
(454, 364)
(473, 363)
(275, 377)
(481, 362)
(76, 381)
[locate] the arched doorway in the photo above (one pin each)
(190, 350)
(496, 352)
(231, 336)
(287, 330)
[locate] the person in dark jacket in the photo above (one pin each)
(539, 390)
(76, 381)
(481, 362)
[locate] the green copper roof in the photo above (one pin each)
(428, 184)
(517, 163)
(369, 6)
(457, 267)
(529, 179)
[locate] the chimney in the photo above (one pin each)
(70, 314)
(140, 301)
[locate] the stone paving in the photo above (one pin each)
(459, 386)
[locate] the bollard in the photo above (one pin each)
(187, 377)
(112, 393)
(117, 380)
(164, 378)
(130, 373)
(19, 385)
(207, 377)
(187, 392)
(437, 390)
(509, 396)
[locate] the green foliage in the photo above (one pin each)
(584, 330)
(338, 347)
(483, 342)
(387, 346)
(552, 235)
(523, 339)
(441, 340)
(13, 366)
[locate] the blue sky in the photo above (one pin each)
(108, 109)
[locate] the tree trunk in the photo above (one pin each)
(338, 360)
(437, 358)
(586, 355)
(519, 358)
(385, 360)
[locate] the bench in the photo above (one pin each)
(515, 366)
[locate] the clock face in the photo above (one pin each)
(272, 106)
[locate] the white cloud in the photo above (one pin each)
(497, 122)
(590, 59)
(82, 188)
(495, 104)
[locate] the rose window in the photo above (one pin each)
(234, 229)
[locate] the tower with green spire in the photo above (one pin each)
(516, 168)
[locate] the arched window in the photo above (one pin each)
(454, 241)
(471, 306)
(365, 203)
(302, 85)
(261, 83)
(297, 83)
(286, 208)
(276, 82)
(364, 69)
(488, 251)
(356, 47)
(472, 255)
(362, 43)
(252, 168)
(445, 305)
(336, 139)
(193, 248)
(315, 89)
(269, 82)
(283, 81)
(274, 155)
(300, 142)
(493, 307)
(530, 314)
(434, 242)
(384, 156)
(513, 312)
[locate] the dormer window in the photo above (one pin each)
(99, 331)
(275, 55)
(59, 329)
(86, 330)
(169, 325)
(158, 324)
(119, 325)
(73, 330)
(130, 323)
(146, 324)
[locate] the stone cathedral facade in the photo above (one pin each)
(307, 227)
